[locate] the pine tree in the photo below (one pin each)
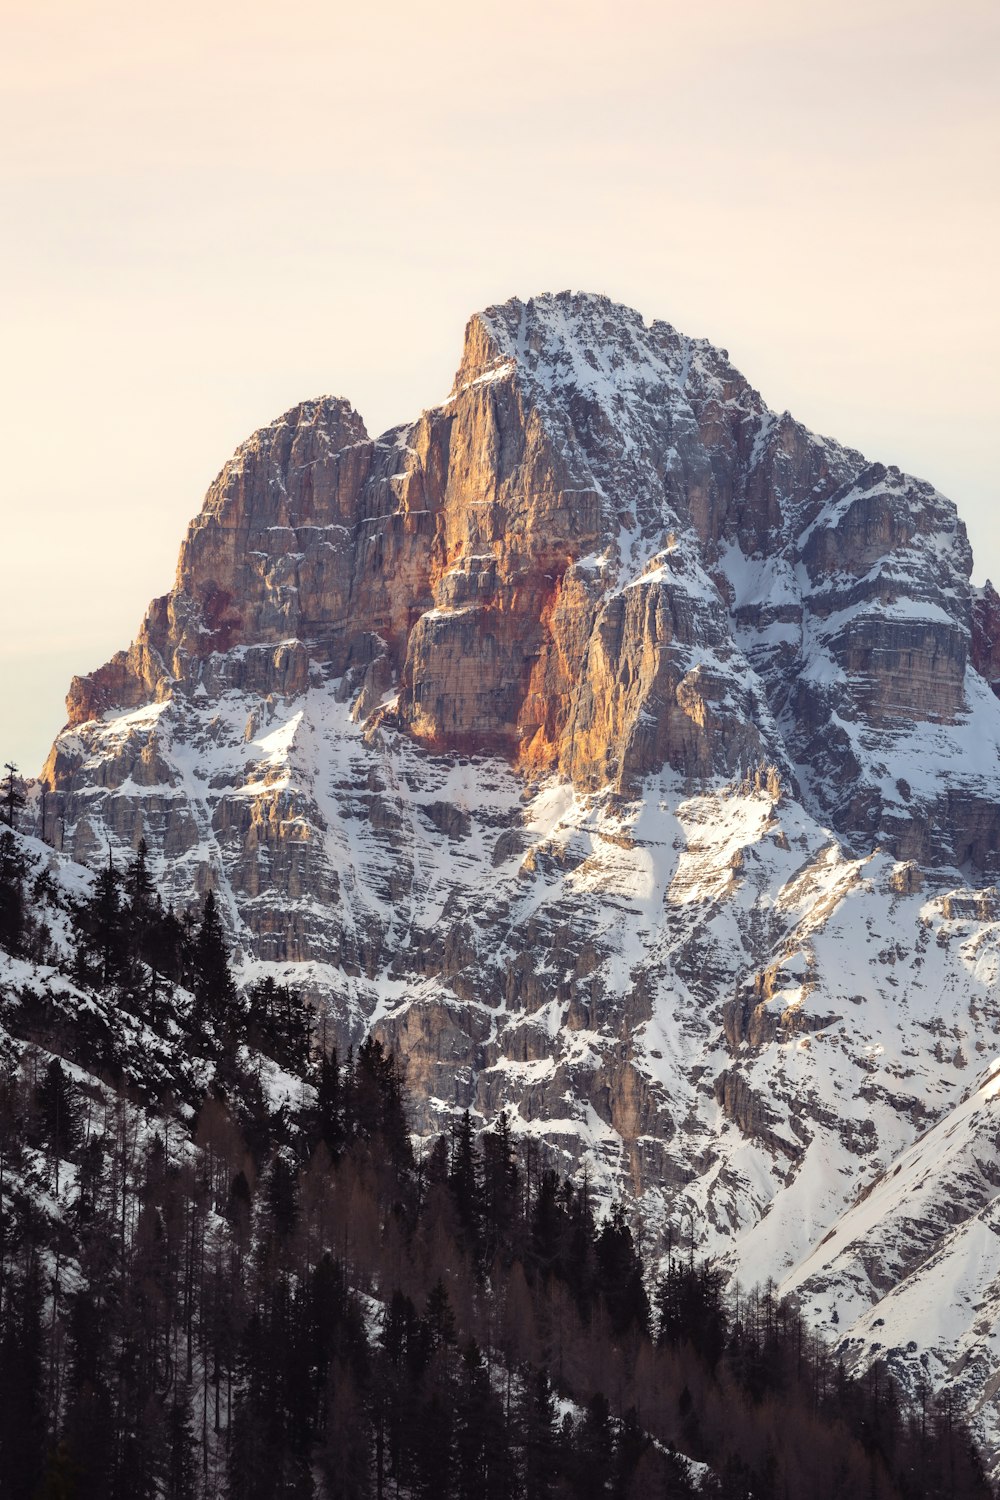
(139, 887)
(279, 1023)
(501, 1185)
(578, 1250)
(377, 1105)
(144, 915)
(103, 940)
(619, 1274)
(282, 1197)
(330, 1122)
(13, 911)
(13, 796)
(475, 1423)
(691, 1309)
(546, 1223)
(57, 1112)
(439, 1317)
(464, 1181)
(212, 981)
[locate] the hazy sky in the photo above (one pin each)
(213, 210)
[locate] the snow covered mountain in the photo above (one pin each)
(626, 755)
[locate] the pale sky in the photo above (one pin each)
(213, 210)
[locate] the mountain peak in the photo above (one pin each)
(594, 478)
(620, 752)
(564, 337)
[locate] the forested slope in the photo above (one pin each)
(228, 1269)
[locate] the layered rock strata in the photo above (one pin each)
(601, 556)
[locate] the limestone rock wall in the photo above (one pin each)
(601, 556)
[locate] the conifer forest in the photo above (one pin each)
(228, 1268)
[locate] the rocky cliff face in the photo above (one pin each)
(623, 752)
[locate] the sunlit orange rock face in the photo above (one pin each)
(441, 561)
(467, 562)
(602, 556)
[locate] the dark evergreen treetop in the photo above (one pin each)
(212, 981)
(12, 798)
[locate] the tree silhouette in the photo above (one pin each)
(212, 981)
(13, 796)
(13, 911)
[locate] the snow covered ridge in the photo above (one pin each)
(623, 753)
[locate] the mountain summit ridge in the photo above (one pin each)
(623, 754)
(584, 453)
